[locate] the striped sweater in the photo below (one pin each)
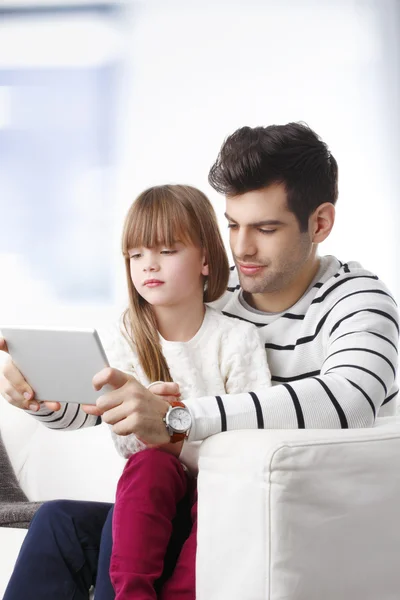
(332, 356)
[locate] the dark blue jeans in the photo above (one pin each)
(68, 548)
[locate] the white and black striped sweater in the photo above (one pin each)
(333, 359)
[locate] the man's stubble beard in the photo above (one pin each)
(280, 277)
(267, 284)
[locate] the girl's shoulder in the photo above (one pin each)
(235, 338)
(230, 324)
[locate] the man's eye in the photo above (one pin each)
(267, 231)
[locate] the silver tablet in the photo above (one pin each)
(58, 364)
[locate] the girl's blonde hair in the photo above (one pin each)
(162, 215)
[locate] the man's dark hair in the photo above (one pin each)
(254, 158)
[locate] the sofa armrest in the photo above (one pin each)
(306, 514)
(15, 509)
(17, 515)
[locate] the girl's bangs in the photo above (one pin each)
(158, 222)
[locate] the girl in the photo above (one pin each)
(175, 262)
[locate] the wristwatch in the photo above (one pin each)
(178, 421)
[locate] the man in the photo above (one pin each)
(330, 331)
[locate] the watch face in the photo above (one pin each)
(179, 419)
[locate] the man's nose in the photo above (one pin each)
(242, 245)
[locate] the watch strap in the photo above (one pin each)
(177, 437)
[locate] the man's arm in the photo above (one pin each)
(355, 379)
(69, 417)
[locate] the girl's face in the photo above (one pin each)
(168, 276)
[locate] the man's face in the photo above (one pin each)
(267, 246)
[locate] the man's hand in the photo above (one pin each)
(170, 390)
(15, 389)
(131, 408)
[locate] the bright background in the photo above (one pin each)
(99, 100)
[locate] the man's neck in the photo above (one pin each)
(281, 300)
(180, 323)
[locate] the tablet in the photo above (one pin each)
(59, 364)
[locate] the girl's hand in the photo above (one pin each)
(16, 390)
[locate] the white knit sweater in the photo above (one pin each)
(224, 357)
(333, 359)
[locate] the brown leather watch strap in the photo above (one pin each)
(177, 437)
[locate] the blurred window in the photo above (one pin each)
(59, 77)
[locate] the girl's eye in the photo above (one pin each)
(167, 252)
(232, 225)
(135, 256)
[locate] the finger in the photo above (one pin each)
(130, 425)
(109, 376)
(92, 409)
(125, 426)
(162, 388)
(52, 405)
(3, 345)
(17, 381)
(15, 398)
(111, 399)
(117, 413)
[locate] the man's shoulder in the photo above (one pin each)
(336, 279)
(352, 292)
(340, 276)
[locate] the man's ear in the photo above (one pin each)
(321, 222)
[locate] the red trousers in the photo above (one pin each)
(152, 485)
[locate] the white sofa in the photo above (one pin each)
(80, 465)
(283, 515)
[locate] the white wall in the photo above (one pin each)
(199, 70)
